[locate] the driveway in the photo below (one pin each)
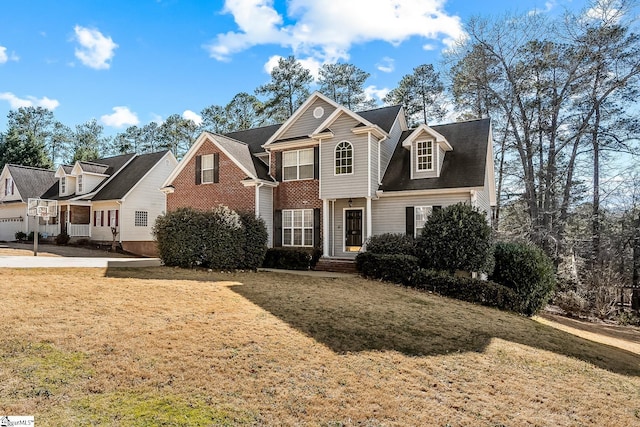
(20, 255)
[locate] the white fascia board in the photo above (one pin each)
(254, 182)
(334, 116)
(375, 130)
(294, 144)
(432, 192)
(187, 157)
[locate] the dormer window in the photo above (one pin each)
(79, 183)
(424, 156)
(8, 187)
(63, 185)
(344, 158)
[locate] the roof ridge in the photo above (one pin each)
(377, 108)
(30, 167)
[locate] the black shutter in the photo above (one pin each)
(316, 162)
(410, 221)
(279, 166)
(198, 170)
(316, 227)
(277, 228)
(216, 167)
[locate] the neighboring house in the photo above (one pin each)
(19, 184)
(331, 177)
(119, 193)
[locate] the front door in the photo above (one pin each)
(353, 229)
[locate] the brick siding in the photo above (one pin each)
(229, 191)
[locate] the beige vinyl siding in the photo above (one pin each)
(483, 201)
(12, 220)
(437, 156)
(265, 208)
(8, 197)
(389, 213)
(146, 197)
(70, 186)
(89, 183)
(337, 228)
(306, 123)
(388, 146)
(101, 232)
(348, 185)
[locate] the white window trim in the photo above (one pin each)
(298, 165)
(212, 169)
(416, 230)
(344, 228)
(335, 153)
(63, 185)
(433, 156)
(80, 183)
(292, 228)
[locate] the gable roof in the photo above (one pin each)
(462, 168)
(129, 176)
(31, 182)
(255, 137)
(91, 167)
(384, 117)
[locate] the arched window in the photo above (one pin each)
(344, 158)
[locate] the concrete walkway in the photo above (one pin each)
(69, 262)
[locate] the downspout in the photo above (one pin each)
(257, 208)
(119, 202)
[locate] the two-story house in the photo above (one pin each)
(331, 177)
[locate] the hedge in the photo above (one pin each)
(396, 268)
(291, 258)
(391, 244)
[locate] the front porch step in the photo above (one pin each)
(337, 265)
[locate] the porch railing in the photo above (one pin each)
(78, 230)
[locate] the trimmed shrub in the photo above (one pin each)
(291, 258)
(255, 241)
(180, 237)
(396, 268)
(223, 237)
(62, 239)
(456, 238)
(528, 271)
(391, 243)
(471, 290)
(31, 235)
(21, 236)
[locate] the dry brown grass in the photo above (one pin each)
(173, 347)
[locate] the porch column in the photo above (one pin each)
(369, 218)
(325, 227)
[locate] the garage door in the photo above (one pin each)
(9, 228)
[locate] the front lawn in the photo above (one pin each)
(164, 346)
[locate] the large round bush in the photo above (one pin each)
(527, 270)
(456, 238)
(179, 237)
(255, 241)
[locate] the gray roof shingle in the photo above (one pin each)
(462, 167)
(129, 176)
(31, 182)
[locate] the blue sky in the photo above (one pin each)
(132, 62)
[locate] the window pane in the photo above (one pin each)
(207, 161)
(286, 218)
(286, 238)
(290, 173)
(308, 218)
(306, 172)
(308, 237)
(207, 175)
(306, 156)
(297, 218)
(297, 237)
(289, 158)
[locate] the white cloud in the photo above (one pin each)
(121, 117)
(157, 118)
(29, 101)
(326, 30)
(373, 92)
(386, 65)
(311, 64)
(95, 49)
(4, 57)
(194, 117)
(548, 7)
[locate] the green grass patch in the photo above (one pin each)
(41, 369)
(150, 409)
